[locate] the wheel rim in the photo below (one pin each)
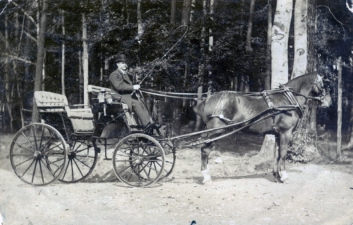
(170, 158)
(138, 160)
(38, 154)
(82, 159)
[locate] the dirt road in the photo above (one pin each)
(313, 194)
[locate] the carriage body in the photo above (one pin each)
(66, 144)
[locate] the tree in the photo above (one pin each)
(268, 47)
(85, 60)
(250, 21)
(279, 47)
(38, 80)
(300, 38)
(63, 54)
(172, 11)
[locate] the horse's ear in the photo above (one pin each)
(319, 77)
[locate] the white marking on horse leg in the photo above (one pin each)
(206, 176)
(284, 175)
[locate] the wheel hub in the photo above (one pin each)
(38, 155)
(72, 155)
(138, 160)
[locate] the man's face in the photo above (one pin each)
(122, 66)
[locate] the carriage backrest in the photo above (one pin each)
(50, 102)
(81, 118)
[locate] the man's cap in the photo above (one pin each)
(121, 58)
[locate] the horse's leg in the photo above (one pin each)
(205, 152)
(275, 172)
(283, 147)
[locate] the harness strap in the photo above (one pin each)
(267, 99)
(292, 100)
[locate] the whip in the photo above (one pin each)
(155, 64)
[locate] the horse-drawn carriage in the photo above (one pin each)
(67, 149)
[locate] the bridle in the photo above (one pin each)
(320, 86)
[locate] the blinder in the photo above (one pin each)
(319, 84)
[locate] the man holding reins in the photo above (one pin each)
(121, 83)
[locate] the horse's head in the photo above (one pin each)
(321, 92)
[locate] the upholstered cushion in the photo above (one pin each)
(81, 118)
(50, 99)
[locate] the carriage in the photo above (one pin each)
(66, 146)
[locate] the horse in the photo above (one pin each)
(280, 109)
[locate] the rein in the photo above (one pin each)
(192, 96)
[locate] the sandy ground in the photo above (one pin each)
(313, 194)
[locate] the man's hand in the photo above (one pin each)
(136, 87)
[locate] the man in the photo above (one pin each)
(121, 83)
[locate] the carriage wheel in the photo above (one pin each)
(138, 160)
(82, 158)
(170, 157)
(38, 154)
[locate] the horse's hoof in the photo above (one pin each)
(284, 175)
(207, 182)
(206, 176)
(277, 180)
(277, 177)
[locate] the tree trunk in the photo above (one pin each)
(201, 66)
(210, 49)
(80, 77)
(186, 12)
(279, 47)
(139, 21)
(349, 145)
(268, 50)
(339, 108)
(85, 60)
(192, 10)
(63, 54)
(311, 66)
(172, 11)
(8, 83)
(248, 35)
(300, 38)
(18, 38)
(40, 57)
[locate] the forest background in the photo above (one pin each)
(62, 46)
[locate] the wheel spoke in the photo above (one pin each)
(22, 154)
(81, 163)
(72, 170)
(46, 166)
(28, 167)
(79, 167)
(49, 149)
(41, 171)
(34, 136)
(28, 141)
(34, 170)
(24, 161)
(22, 147)
(67, 166)
(41, 138)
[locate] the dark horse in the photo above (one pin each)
(280, 109)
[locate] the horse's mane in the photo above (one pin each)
(297, 83)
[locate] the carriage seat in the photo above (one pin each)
(81, 118)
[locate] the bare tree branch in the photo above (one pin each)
(17, 58)
(25, 13)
